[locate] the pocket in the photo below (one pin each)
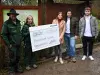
(12, 30)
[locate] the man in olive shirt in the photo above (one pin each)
(11, 34)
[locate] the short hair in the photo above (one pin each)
(69, 10)
(87, 8)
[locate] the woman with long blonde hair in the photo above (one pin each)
(29, 56)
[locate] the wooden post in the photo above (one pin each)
(0, 20)
(0, 2)
(0, 16)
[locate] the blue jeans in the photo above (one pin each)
(70, 44)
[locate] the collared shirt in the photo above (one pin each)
(14, 22)
(88, 27)
(68, 25)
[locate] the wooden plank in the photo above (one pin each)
(1, 17)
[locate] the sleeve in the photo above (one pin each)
(4, 34)
(25, 31)
(97, 31)
(77, 27)
(63, 32)
(54, 22)
(80, 27)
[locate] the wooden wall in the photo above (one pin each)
(53, 9)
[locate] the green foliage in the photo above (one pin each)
(98, 38)
(31, 2)
(20, 2)
(96, 8)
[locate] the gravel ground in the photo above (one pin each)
(86, 67)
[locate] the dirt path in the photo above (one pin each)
(86, 67)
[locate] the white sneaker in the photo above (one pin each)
(28, 68)
(61, 61)
(35, 66)
(84, 57)
(91, 58)
(56, 59)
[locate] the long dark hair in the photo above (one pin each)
(59, 20)
(58, 14)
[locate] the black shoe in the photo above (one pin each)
(67, 58)
(73, 59)
(19, 70)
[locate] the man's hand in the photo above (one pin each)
(9, 46)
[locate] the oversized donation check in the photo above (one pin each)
(44, 36)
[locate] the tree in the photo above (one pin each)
(19, 2)
(96, 8)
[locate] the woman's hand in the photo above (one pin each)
(76, 37)
(61, 40)
(61, 37)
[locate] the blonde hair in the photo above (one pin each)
(28, 18)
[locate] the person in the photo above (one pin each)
(71, 34)
(88, 29)
(29, 55)
(11, 34)
(61, 23)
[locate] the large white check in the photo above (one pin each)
(44, 36)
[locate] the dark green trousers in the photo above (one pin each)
(14, 57)
(30, 58)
